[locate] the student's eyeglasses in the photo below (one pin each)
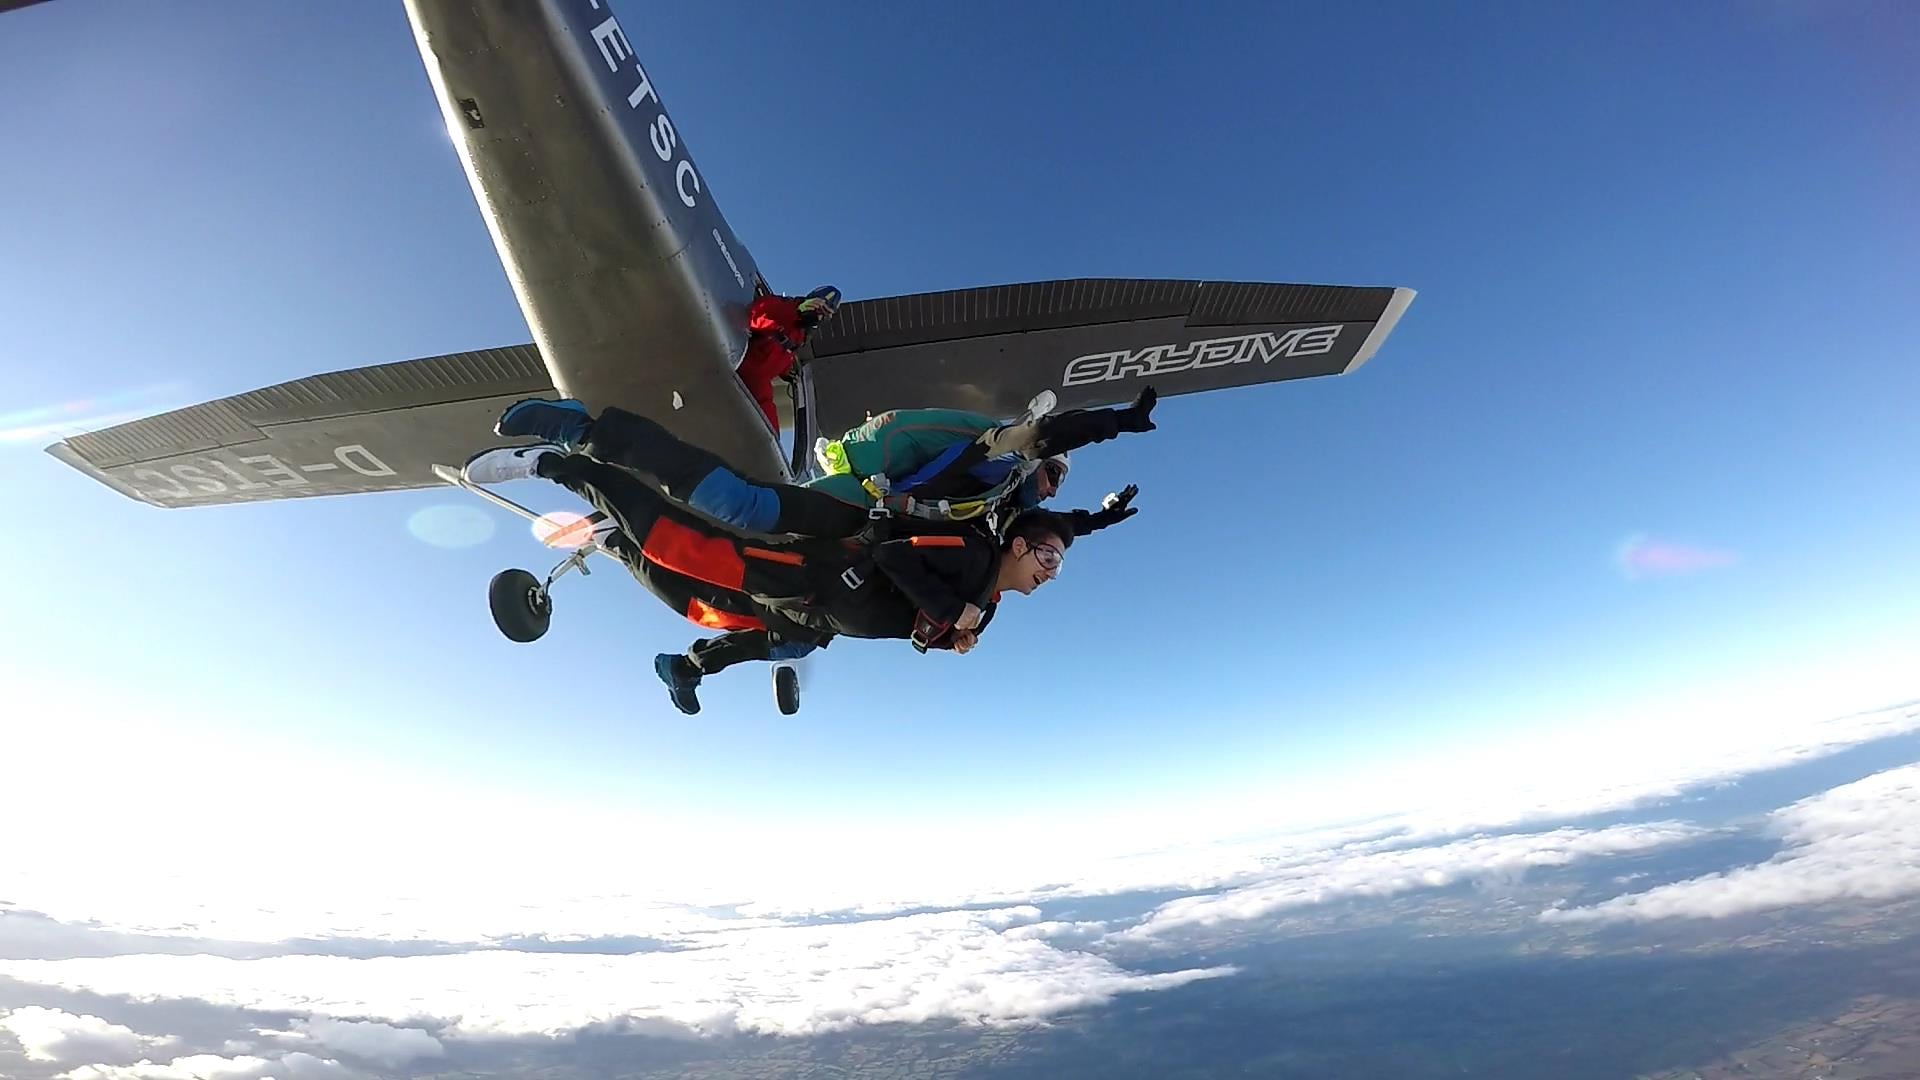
(1048, 556)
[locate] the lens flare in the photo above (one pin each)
(448, 525)
(53, 422)
(562, 529)
(1640, 556)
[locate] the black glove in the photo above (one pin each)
(1137, 416)
(1117, 508)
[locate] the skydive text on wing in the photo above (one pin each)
(1156, 360)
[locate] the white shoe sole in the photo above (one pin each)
(503, 464)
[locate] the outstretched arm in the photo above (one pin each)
(1116, 508)
(1075, 428)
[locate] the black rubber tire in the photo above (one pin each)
(521, 608)
(786, 689)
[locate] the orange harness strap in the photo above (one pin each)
(703, 614)
(791, 558)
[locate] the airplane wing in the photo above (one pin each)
(1092, 341)
(379, 428)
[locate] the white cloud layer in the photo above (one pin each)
(298, 1065)
(373, 1041)
(736, 958)
(970, 966)
(59, 1036)
(1856, 842)
(74, 866)
(1387, 873)
(1633, 762)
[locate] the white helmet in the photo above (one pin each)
(1063, 461)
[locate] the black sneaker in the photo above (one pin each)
(564, 422)
(681, 677)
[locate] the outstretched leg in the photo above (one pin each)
(700, 480)
(1059, 433)
(688, 474)
(661, 536)
(1048, 436)
(709, 655)
(682, 672)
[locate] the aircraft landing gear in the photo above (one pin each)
(521, 603)
(786, 689)
(521, 607)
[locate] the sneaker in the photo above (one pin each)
(504, 463)
(681, 677)
(563, 422)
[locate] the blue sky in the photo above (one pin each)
(1665, 261)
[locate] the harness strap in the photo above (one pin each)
(937, 510)
(926, 631)
(790, 558)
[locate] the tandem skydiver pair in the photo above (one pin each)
(782, 569)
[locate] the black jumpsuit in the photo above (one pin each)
(776, 599)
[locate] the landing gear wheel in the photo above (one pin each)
(521, 607)
(786, 689)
